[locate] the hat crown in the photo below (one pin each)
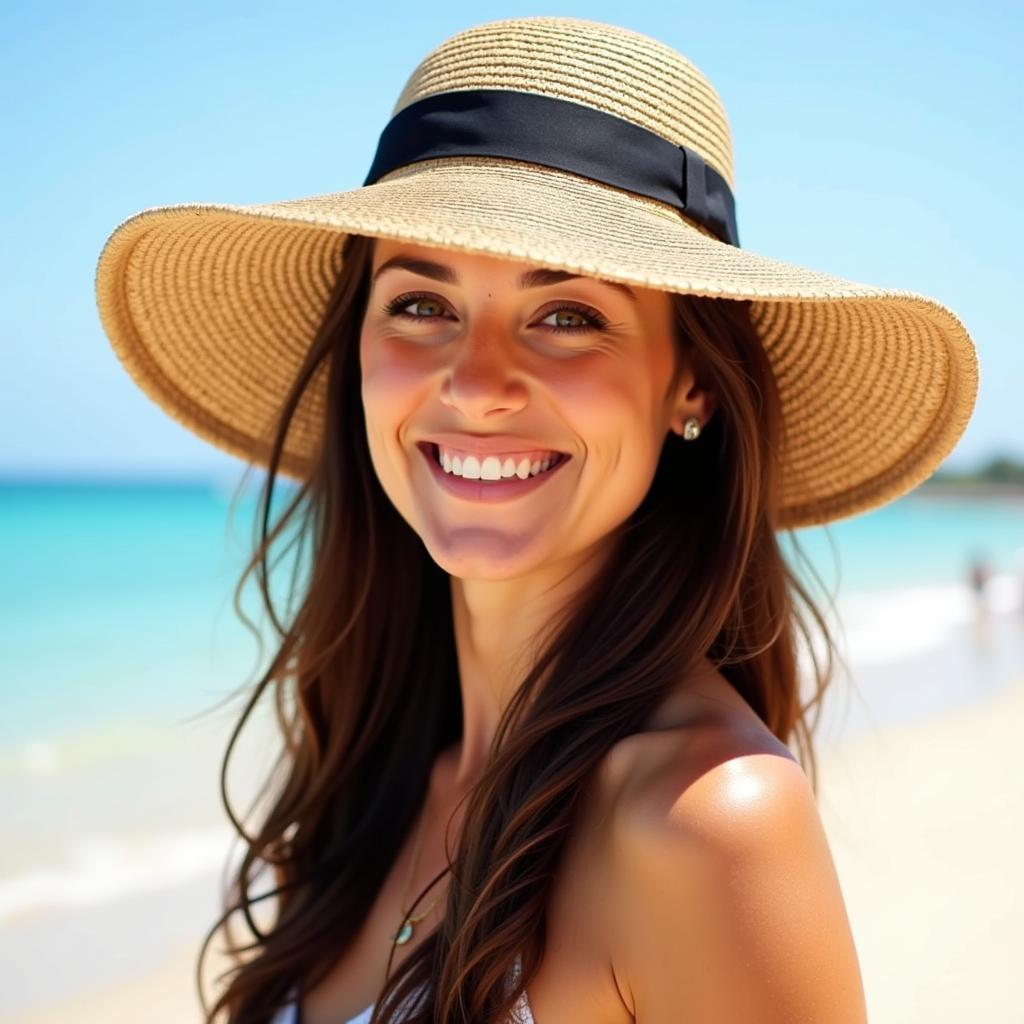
(612, 69)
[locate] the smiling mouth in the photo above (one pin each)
(433, 452)
(486, 488)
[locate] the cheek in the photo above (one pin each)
(390, 387)
(390, 379)
(610, 408)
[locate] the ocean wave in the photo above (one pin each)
(103, 868)
(902, 622)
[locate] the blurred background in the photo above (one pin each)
(877, 141)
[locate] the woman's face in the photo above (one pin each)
(460, 348)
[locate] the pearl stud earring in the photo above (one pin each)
(691, 428)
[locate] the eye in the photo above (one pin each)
(396, 306)
(593, 320)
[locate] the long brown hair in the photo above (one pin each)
(365, 680)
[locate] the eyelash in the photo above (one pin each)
(598, 322)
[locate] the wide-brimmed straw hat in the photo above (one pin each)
(571, 144)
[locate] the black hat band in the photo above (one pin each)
(564, 135)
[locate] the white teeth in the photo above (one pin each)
(492, 468)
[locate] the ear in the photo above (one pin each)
(692, 400)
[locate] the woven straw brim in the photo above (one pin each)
(211, 308)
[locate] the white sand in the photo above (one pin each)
(926, 824)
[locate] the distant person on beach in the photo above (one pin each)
(545, 747)
(979, 576)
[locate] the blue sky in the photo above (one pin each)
(881, 142)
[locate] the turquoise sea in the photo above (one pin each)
(115, 598)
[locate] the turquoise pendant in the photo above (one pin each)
(404, 934)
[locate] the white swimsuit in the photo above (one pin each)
(289, 1013)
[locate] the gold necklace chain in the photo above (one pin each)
(404, 933)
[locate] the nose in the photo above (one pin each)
(484, 374)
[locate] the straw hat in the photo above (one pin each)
(569, 144)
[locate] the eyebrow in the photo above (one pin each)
(539, 277)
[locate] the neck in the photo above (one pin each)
(500, 627)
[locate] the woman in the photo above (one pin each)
(536, 728)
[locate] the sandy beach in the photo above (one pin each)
(926, 826)
(926, 823)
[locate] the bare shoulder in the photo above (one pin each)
(727, 902)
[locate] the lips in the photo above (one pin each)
(487, 491)
(432, 449)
